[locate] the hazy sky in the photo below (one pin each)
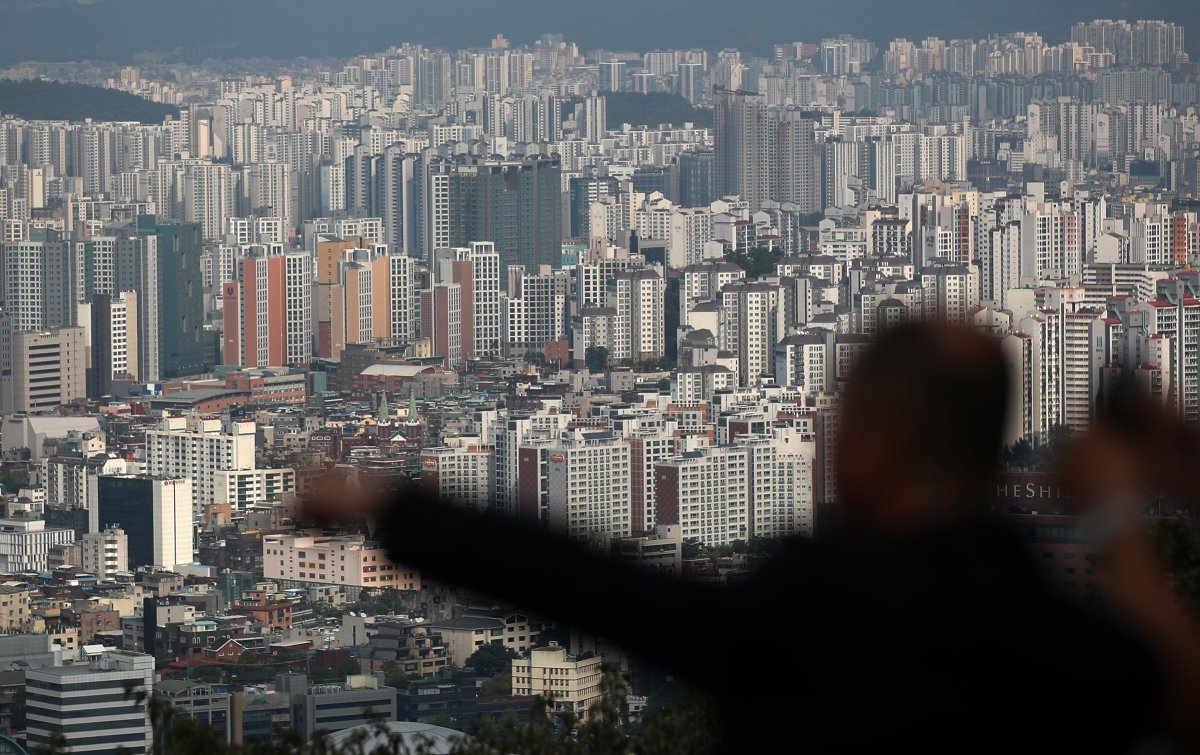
(114, 29)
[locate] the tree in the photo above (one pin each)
(499, 685)
(671, 317)
(492, 659)
(1049, 451)
(350, 667)
(1180, 552)
(1020, 455)
(393, 674)
(758, 261)
(596, 358)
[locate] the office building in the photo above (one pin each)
(697, 178)
(185, 347)
(93, 706)
(194, 701)
(42, 370)
(359, 701)
(25, 543)
(154, 513)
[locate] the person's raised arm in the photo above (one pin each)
(651, 615)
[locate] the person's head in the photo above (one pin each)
(919, 428)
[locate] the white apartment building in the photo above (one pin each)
(782, 482)
(485, 295)
(104, 553)
(805, 361)
(400, 326)
(511, 432)
(690, 231)
(534, 310)
(587, 485)
(92, 705)
(571, 684)
(751, 325)
(123, 334)
(336, 560)
(241, 488)
(462, 471)
(1044, 390)
(198, 447)
(707, 493)
(69, 479)
(636, 296)
(951, 291)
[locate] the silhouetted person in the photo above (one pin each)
(923, 624)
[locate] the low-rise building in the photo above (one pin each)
(334, 559)
(571, 684)
(193, 701)
(360, 700)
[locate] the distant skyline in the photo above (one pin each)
(60, 30)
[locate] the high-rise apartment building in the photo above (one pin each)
(706, 492)
(196, 448)
(765, 153)
(115, 346)
(268, 314)
(41, 282)
(515, 204)
(587, 485)
(636, 298)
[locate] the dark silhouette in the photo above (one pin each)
(922, 624)
(36, 99)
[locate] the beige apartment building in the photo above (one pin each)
(336, 560)
(571, 684)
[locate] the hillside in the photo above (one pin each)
(36, 99)
(652, 109)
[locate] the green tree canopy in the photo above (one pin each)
(491, 659)
(596, 358)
